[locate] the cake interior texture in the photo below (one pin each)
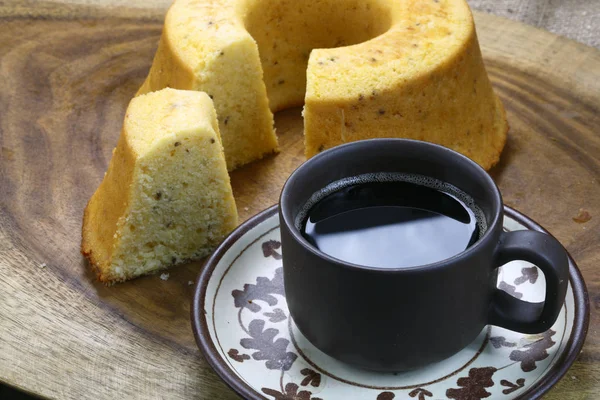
(362, 69)
(166, 197)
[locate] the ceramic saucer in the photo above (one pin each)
(242, 325)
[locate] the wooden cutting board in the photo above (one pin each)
(67, 74)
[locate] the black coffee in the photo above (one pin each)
(392, 224)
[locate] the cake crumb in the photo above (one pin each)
(582, 216)
(190, 283)
(164, 276)
(246, 209)
(42, 265)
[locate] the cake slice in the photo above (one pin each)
(166, 197)
(200, 51)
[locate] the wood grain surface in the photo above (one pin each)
(66, 76)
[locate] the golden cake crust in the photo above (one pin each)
(375, 68)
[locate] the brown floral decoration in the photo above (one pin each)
(290, 393)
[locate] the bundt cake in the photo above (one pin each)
(379, 68)
(166, 197)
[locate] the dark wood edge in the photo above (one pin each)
(202, 335)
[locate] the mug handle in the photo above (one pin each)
(546, 253)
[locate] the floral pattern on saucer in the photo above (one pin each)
(248, 322)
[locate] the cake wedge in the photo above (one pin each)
(166, 197)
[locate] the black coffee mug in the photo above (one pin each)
(405, 318)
